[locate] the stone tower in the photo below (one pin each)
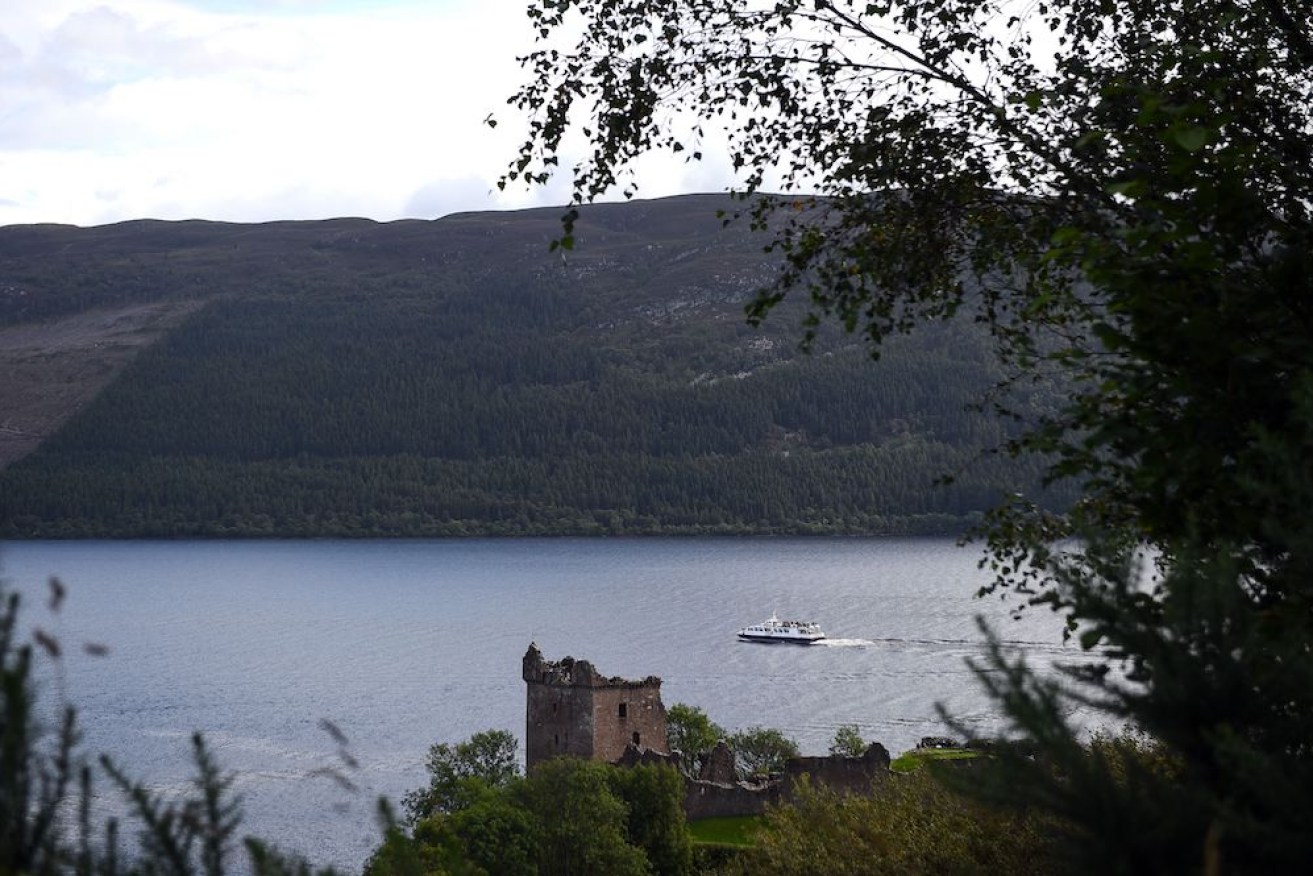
(572, 710)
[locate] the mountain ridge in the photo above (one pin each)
(348, 377)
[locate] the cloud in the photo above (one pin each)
(10, 54)
(443, 197)
(248, 111)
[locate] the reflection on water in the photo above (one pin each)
(402, 644)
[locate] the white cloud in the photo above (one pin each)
(247, 111)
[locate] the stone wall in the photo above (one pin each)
(720, 799)
(714, 800)
(628, 715)
(573, 710)
(558, 721)
(850, 775)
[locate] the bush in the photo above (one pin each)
(761, 751)
(911, 824)
(692, 734)
(458, 773)
(847, 742)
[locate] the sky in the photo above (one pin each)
(258, 110)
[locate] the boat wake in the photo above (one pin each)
(1036, 648)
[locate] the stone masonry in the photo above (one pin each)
(573, 710)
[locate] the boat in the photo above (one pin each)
(776, 630)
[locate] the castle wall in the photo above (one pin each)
(573, 710)
(628, 715)
(558, 721)
(715, 800)
(848, 775)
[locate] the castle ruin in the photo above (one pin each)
(573, 710)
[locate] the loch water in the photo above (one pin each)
(400, 644)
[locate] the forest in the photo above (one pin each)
(459, 377)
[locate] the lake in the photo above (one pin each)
(401, 644)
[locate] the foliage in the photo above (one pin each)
(654, 797)
(193, 835)
(37, 776)
(567, 816)
(47, 789)
(760, 751)
(583, 823)
(731, 830)
(403, 388)
(1132, 212)
(267, 860)
(717, 859)
(848, 742)
(909, 825)
(400, 855)
(692, 734)
(458, 774)
(495, 834)
(1219, 682)
(1121, 191)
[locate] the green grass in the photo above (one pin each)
(735, 830)
(912, 760)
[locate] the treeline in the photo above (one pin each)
(423, 392)
(849, 491)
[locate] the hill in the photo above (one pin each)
(347, 377)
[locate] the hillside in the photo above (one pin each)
(455, 377)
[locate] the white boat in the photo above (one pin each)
(776, 630)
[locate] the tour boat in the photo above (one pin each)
(776, 630)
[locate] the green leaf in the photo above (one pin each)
(1191, 139)
(1064, 236)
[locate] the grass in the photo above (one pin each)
(912, 760)
(735, 830)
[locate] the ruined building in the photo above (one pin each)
(573, 710)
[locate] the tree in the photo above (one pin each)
(692, 735)
(582, 821)
(1119, 190)
(760, 751)
(497, 834)
(654, 796)
(847, 742)
(458, 773)
(569, 816)
(1130, 209)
